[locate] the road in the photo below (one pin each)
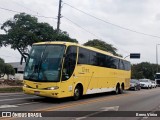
(92, 107)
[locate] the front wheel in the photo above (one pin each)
(77, 93)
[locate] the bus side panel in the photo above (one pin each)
(99, 79)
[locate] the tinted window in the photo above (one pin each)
(115, 63)
(93, 58)
(127, 65)
(83, 56)
(157, 76)
(89, 57)
(70, 62)
(133, 81)
(121, 65)
(101, 60)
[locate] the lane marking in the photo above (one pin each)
(89, 101)
(26, 103)
(9, 95)
(83, 103)
(17, 98)
(114, 108)
(7, 106)
(92, 101)
(16, 105)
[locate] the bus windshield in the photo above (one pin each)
(44, 63)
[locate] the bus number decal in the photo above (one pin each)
(85, 70)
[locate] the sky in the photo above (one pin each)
(132, 26)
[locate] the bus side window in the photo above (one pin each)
(69, 62)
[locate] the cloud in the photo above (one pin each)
(139, 15)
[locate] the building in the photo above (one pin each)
(19, 69)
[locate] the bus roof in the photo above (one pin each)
(76, 44)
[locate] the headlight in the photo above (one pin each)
(26, 86)
(53, 88)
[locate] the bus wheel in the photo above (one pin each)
(77, 93)
(121, 90)
(117, 90)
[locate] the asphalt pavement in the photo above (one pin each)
(131, 105)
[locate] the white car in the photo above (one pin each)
(154, 84)
(145, 83)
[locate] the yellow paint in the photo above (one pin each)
(91, 77)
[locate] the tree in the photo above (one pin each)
(2, 68)
(144, 70)
(64, 36)
(9, 70)
(24, 30)
(102, 46)
(6, 69)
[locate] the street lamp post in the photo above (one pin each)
(157, 55)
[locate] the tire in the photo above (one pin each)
(117, 90)
(77, 93)
(135, 89)
(121, 90)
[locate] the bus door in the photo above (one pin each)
(68, 70)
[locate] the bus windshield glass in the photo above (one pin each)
(44, 63)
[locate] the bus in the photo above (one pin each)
(157, 79)
(65, 69)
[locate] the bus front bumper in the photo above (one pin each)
(39, 92)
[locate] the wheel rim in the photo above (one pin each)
(117, 90)
(76, 92)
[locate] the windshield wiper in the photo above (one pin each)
(34, 71)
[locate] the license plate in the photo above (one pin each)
(36, 92)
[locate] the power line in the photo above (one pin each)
(24, 7)
(21, 12)
(121, 27)
(81, 27)
(88, 31)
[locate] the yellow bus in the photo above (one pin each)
(64, 69)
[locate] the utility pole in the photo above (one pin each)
(59, 16)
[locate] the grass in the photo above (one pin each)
(10, 89)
